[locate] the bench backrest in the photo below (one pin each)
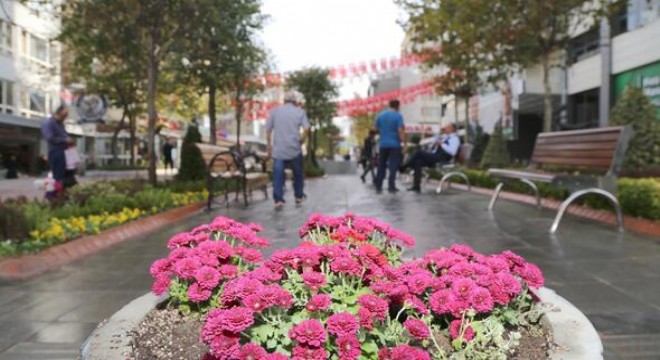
(601, 149)
(223, 163)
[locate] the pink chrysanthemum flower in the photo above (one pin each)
(314, 280)
(309, 353)
(275, 356)
(417, 328)
(318, 302)
(309, 332)
(219, 249)
(417, 305)
(455, 331)
(198, 293)
(348, 347)
(187, 267)
(225, 346)
(250, 255)
(228, 271)
(462, 288)
(160, 267)
(346, 265)
(366, 319)
(161, 284)
(233, 320)
(342, 324)
(532, 275)
(441, 301)
(252, 352)
(377, 306)
(207, 277)
(179, 240)
(418, 283)
(481, 300)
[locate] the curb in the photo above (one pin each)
(23, 267)
(637, 225)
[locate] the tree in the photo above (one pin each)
(496, 154)
(462, 38)
(193, 167)
(320, 93)
(635, 109)
(361, 124)
(219, 29)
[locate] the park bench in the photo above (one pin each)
(246, 171)
(449, 170)
(582, 161)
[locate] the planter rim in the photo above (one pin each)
(574, 336)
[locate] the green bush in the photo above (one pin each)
(638, 197)
(635, 109)
(312, 171)
(496, 153)
(193, 167)
(14, 225)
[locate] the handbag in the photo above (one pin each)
(72, 158)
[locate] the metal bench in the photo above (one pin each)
(246, 171)
(582, 161)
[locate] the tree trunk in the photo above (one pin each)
(547, 93)
(239, 116)
(466, 139)
(313, 149)
(115, 135)
(132, 125)
(212, 115)
(152, 74)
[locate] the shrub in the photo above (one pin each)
(480, 140)
(344, 293)
(496, 153)
(635, 109)
(311, 170)
(14, 225)
(640, 197)
(193, 167)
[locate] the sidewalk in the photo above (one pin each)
(613, 278)
(25, 186)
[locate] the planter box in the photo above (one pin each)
(574, 336)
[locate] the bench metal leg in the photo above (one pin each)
(496, 194)
(449, 175)
(574, 196)
(536, 191)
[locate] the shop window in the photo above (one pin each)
(584, 46)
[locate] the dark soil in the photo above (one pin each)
(167, 335)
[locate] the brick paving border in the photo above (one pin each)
(638, 225)
(23, 267)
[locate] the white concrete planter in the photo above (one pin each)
(573, 334)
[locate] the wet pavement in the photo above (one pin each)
(613, 278)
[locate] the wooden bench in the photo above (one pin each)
(246, 171)
(582, 161)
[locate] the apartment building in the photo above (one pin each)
(30, 80)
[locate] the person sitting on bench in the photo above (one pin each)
(443, 150)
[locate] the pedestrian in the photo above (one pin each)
(11, 164)
(284, 139)
(168, 160)
(52, 130)
(367, 154)
(444, 149)
(389, 125)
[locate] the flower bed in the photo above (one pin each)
(343, 293)
(88, 210)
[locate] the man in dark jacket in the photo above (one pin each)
(52, 130)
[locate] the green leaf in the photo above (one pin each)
(370, 347)
(271, 344)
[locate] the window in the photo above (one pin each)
(584, 109)
(38, 48)
(5, 35)
(24, 42)
(37, 102)
(6, 96)
(619, 19)
(584, 46)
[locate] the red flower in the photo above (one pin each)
(481, 300)
(417, 328)
(255, 303)
(160, 267)
(346, 265)
(314, 280)
(250, 255)
(318, 302)
(532, 275)
(348, 347)
(233, 320)
(225, 346)
(197, 293)
(275, 356)
(220, 249)
(186, 267)
(342, 324)
(441, 301)
(228, 271)
(417, 305)
(418, 283)
(308, 332)
(207, 277)
(161, 284)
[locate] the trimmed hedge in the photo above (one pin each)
(638, 197)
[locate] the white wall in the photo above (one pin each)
(636, 48)
(584, 75)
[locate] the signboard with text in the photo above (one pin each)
(646, 78)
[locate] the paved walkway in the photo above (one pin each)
(613, 278)
(25, 186)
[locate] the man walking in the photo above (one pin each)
(389, 125)
(52, 130)
(283, 132)
(444, 149)
(367, 155)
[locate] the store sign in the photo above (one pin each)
(646, 78)
(91, 108)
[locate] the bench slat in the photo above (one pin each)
(601, 163)
(597, 138)
(593, 153)
(519, 174)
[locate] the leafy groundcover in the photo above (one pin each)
(343, 293)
